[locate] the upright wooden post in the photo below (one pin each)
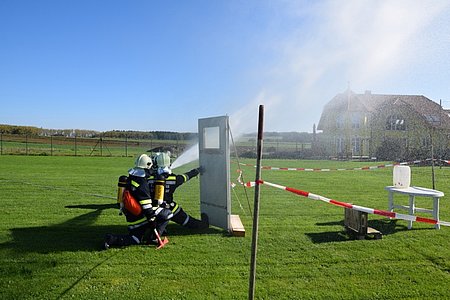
(75, 141)
(432, 166)
(251, 292)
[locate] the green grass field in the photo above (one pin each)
(56, 210)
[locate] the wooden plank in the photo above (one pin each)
(237, 228)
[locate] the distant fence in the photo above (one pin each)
(76, 146)
(15, 144)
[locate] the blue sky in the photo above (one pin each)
(162, 65)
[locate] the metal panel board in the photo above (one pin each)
(214, 158)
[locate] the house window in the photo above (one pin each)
(340, 121)
(395, 122)
(356, 120)
(426, 141)
(356, 145)
(340, 145)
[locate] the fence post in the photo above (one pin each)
(51, 145)
(126, 146)
(26, 144)
(1, 143)
(254, 249)
(75, 138)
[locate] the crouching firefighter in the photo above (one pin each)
(163, 185)
(146, 219)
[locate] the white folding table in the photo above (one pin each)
(412, 192)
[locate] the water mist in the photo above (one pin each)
(186, 157)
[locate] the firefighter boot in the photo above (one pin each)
(116, 240)
(194, 223)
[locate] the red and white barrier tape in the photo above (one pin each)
(384, 213)
(342, 169)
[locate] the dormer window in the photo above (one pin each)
(433, 119)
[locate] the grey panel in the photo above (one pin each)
(214, 158)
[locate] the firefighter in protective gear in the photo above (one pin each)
(163, 184)
(137, 206)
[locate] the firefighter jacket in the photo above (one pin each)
(139, 189)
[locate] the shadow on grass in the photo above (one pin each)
(174, 229)
(77, 234)
(385, 226)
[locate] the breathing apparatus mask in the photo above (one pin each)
(165, 170)
(161, 163)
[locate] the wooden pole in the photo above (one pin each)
(251, 292)
(75, 140)
(432, 162)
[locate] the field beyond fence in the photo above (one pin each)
(20, 144)
(76, 146)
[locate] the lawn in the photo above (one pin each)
(56, 210)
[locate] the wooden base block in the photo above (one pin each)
(237, 229)
(374, 233)
(355, 223)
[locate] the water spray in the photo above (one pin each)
(186, 157)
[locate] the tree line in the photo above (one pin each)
(303, 137)
(119, 134)
(23, 130)
(149, 135)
